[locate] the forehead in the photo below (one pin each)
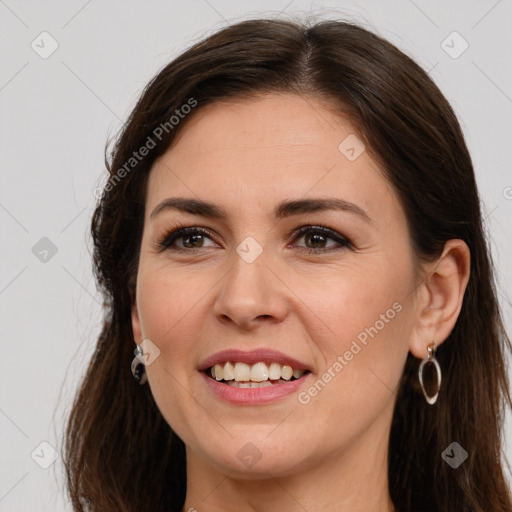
(270, 124)
(260, 150)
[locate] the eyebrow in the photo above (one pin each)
(282, 210)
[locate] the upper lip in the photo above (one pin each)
(253, 357)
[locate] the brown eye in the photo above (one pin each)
(316, 238)
(192, 241)
(187, 238)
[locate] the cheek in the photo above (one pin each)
(169, 302)
(352, 300)
(363, 367)
(369, 324)
(167, 299)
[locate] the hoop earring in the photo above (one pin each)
(138, 367)
(430, 358)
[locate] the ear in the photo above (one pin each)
(439, 297)
(136, 327)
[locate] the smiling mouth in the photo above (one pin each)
(258, 375)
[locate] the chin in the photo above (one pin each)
(254, 458)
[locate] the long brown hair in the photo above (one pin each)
(120, 454)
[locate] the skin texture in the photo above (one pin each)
(248, 156)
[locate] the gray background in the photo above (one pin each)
(56, 114)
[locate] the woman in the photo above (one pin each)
(290, 243)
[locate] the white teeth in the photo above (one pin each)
(256, 373)
(274, 371)
(242, 372)
(229, 371)
(259, 372)
(286, 372)
(219, 373)
(264, 384)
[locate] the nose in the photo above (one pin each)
(252, 293)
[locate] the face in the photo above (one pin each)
(332, 300)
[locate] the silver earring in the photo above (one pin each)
(430, 358)
(138, 367)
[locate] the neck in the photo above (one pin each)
(353, 479)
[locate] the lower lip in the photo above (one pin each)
(253, 396)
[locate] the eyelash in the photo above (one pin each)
(175, 234)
